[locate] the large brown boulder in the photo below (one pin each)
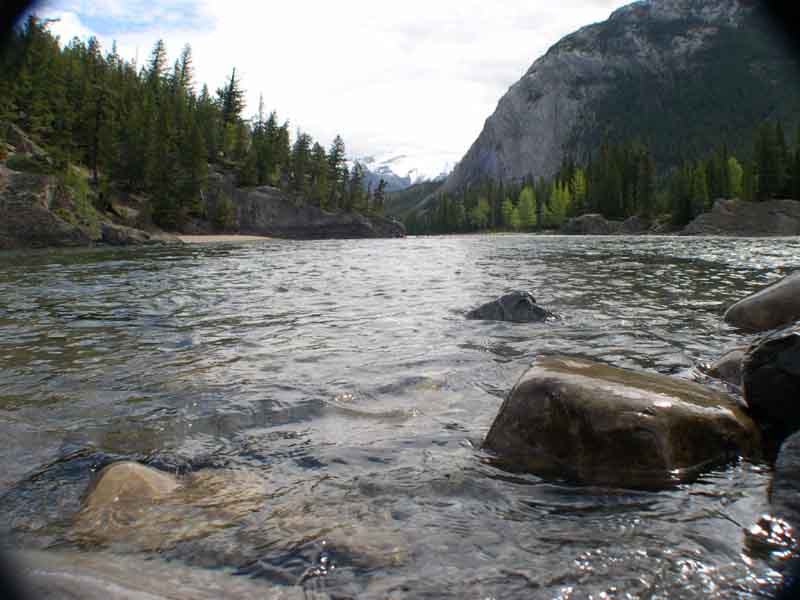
(771, 381)
(772, 307)
(592, 423)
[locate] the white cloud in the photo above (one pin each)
(418, 77)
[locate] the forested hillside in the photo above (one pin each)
(682, 77)
(621, 181)
(151, 129)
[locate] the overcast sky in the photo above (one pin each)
(416, 77)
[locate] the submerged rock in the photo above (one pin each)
(135, 508)
(592, 423)
(772, 307)
(128, 482)
(517, 307)
(728, 367)
(771, 381)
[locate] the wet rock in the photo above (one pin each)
(118, 235)
(772, 307)
(517, 307)
(145, 509)
(71, 575)
(592, 224)
(214, 517)
(785, 489)
(591, 423)
(728, 367)
(771, 381)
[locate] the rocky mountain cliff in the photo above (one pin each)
(681, 75)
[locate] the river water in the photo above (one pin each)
(341, 382)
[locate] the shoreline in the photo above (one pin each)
(215, 239)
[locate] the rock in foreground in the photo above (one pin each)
(591, 423)
(785, 489)
(771, 380)
(516, 307)
(772, 307)
(728, 368)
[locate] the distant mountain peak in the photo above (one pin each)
(682, 75)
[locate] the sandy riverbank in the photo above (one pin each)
(210, 239)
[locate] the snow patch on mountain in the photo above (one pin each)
(401, 171)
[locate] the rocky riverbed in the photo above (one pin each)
(314, 430)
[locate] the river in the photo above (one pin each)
(343, 378)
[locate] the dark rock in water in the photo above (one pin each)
(785, 489)
(517, 307)
(772, 307)
(728, 367)
(591, 423)
(592, 224)
(771, 381)
(740, 218)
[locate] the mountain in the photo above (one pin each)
(401, 171)
(401, 203)
(683, 76)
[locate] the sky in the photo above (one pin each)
(416, 78)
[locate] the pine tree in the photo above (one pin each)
(735, 175)
(507, 209)
(231, 100)
(527, 207)
(338, 171)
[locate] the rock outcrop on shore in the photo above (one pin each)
(592, 423)
(26, 218)
(746, 219)
(268, 211)
(591, 224)
(37, 210)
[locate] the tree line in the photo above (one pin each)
(147, 130)
(619, 181)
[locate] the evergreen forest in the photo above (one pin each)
(148, 130)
